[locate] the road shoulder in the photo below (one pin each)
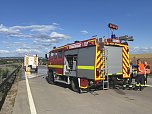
(21, 102)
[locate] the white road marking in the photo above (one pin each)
(30, 98)
(32, 76)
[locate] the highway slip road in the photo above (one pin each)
(43, 98)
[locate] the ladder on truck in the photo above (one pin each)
(105, 69)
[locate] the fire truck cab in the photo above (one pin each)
(89, 63)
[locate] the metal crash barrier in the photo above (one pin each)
(6, 85)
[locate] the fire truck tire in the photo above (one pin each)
(36, 70)
(124, 84)
(74, 85)
(50, 77)
(114, 80)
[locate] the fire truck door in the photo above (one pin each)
(114, 59)
(70, 63)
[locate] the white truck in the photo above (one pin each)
(31, 63)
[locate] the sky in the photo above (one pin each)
(35, 26)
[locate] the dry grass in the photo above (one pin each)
(149, 55)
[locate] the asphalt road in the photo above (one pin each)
(59, 99)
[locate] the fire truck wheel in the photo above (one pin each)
(74, 85)
(125, 82)
(114, 80)
(50, 78)
(36, 70)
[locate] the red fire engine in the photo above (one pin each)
(89, 63)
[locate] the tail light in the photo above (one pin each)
(97, 72)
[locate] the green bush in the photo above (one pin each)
(5, 73)
(0, 73)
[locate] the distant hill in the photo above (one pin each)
(2, 58)
(149, 55)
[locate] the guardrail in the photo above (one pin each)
(6, 85)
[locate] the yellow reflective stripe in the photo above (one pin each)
(95, 61)
(35, 60)
(27, 60)
(59, 74)
(126, 75)
(123, 71)
(118, 73)
(124, 50)
(142, 85)
(137, 84)
(56, 66)
(86, 67)
(83, 87)
(125, 61)
(98, 53)
(99, 65)
(60, 47)
(121, 45)
(79, 67)
(98, 59)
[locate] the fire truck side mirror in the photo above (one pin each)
(46, 56)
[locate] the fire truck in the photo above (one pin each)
(31, 63)
(90, 63)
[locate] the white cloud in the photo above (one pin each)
(8, 30)
(55, 23)
(22, 50)
(139, 50)
(37, 36)
(12, 32)
(18, 44)
(36, 28)
(33, 31)
(49, 40)
(84, 32)
(21, 35)
(4, 51)
(58, 35)
(27, 51)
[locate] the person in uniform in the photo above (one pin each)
(131, 75)
(147, 68)
(140, 75)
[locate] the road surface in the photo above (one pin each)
(59, 99)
